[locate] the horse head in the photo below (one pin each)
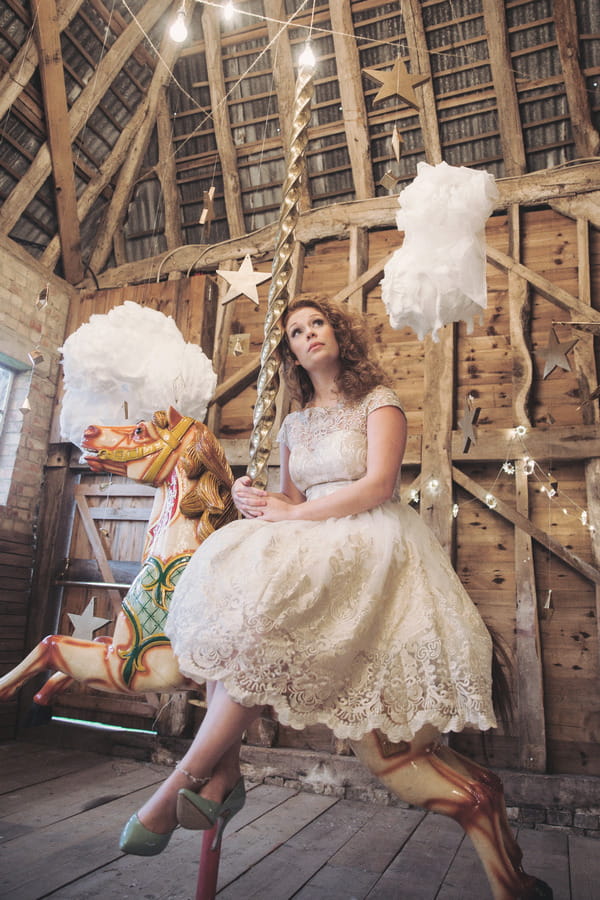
(150, 451)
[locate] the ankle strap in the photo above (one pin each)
(193, 778)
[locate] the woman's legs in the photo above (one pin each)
(215, 748)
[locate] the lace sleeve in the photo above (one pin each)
(381, 396)
(282, 434)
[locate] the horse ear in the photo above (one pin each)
(173, 417)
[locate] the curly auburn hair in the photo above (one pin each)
(359, 374)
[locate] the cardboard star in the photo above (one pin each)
(244, 281)
(555, 353)
(467, 424)
(85, 624)
(397, 81)
(208, 208)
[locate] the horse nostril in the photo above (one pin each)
(91, 431)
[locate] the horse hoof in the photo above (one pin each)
(38, 715)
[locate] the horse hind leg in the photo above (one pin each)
(76, 659)
(427, 774)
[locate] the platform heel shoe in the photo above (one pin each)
(198, 813)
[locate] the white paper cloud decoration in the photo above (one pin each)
(134, 354)
(438, 275)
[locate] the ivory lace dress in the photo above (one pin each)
(357, 622)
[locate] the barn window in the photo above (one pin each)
(6, 380)
(14, 384)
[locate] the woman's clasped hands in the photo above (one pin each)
(254, 503)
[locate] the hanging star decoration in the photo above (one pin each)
(467, 424)
(555, 353)
(86, 623)
(397, 81)
(208, 208)
(397, 143)
(243, 282)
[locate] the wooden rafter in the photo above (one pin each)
(55, 105)
(417, 44)
(511, 132)
(352, 99)
(101, 178)
(284, 77)
(24, 64)
(587, 139)
(169, 51)
(220, 114)
(107, 70)
(167, 173)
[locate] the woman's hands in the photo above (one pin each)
(248, 500)
(254, 503)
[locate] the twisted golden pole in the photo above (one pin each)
(268, 379)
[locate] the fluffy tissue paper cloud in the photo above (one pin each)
(438, 275)
(133, 358)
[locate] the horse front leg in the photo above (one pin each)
(430, 775)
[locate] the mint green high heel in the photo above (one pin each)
(199, 814)
(140, 841)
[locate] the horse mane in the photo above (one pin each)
(205, 464)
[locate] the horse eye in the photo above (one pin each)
(138, 431)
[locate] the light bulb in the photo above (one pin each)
(455, 510)
(178, 30)
(307, 57)
(491, 501)
(228, 11)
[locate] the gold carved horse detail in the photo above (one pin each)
(183, 459)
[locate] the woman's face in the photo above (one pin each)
(311, 338)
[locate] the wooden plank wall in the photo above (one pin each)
(483, 541)
(16, 568)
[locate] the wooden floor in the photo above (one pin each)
(61, 812)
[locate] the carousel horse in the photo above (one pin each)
(183, 459)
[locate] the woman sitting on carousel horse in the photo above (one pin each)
(329, 600)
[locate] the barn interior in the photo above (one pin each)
(133, 166)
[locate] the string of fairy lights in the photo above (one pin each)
(547, 483)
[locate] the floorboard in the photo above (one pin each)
(61, 813)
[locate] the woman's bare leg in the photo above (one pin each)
(215, 747)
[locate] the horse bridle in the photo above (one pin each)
(167, 441)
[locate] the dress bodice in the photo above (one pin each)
(328, 445)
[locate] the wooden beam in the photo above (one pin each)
(115, 214)
(24, 64)
(531, 722)
(332, 221)
(552, 292)
(509, 119)
(358, 259)
(101, 178)
(582, 207)
(167, 174)
(352, 97)
(284, 76)
(107, 70)
(436, 464)
(419, 53)
(587, 376)
(55, 106)
(587, 139)
(232, 190)
(519, 521)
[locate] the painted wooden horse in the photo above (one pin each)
(185, 461)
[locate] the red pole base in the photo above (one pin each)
(208, 870)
